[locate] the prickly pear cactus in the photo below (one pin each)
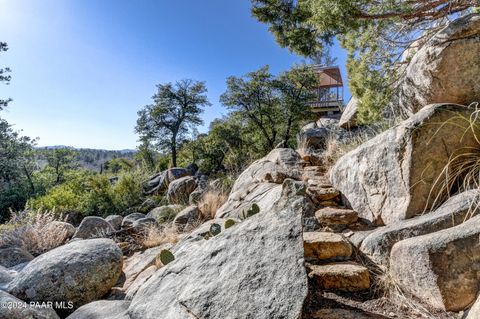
(215, 229)
(255, 209)
(229, 223)
(166, 257)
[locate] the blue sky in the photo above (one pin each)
(83, 68)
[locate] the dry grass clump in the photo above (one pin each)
(210, 202)
(155, 236)
(208, 205)
(393, 292)
(33, 232)
(462, 171)
(337, 144)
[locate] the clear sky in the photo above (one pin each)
(83, 68)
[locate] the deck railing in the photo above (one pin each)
(336, 104)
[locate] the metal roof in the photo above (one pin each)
(330, 76)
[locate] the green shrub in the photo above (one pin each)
(92, 194)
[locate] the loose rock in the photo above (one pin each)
(80, 272)
(441, 269)
(93, 227)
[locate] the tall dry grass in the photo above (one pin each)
(462, 170)
(210, 202)
(387, 286)
(155, 236)
(34, 232)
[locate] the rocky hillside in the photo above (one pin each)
(388, 230)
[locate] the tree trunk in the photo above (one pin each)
(174, 152)
(287, 132)
(29, 178)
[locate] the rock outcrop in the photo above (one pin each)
(261, 182)
(137, 263)
(131, 218)
(445, 69)
(393, 176)
(93, 227)
(349, 114)
(12, 309)
(215, 280)
(12, 256)
(159, 183)
(187, 217)
(441, 269)
(115, 221)
(165, 213)
(378, 244)
(102, 309)
(80, 272)
(62, 230)
(180, 189)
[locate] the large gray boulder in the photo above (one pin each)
(265, 195)
(6, 276)
(12, 256)
(441, 269)
(394, 175)
(80, 272)
(378, 244)
(165, 213)
(155, 184)
(261, 182)
(131, 218)
(62, 230)
(115, 221)
(187, 217)
(313, 138)
(102, 309)
(158, 183)
(239, 273)
(93, 227)
(180, 189)
(11, 309)
(138, 262)
(139, 281)
(445, 69)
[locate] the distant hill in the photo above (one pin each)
(90, 158)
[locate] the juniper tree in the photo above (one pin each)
(175, 109)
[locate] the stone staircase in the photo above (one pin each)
(328, 252)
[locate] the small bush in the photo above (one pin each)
(93, 194)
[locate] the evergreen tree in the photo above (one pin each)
(176, 108)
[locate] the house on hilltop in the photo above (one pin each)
(329, 99)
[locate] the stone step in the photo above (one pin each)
(321, 182)
(339, 313)
(343, 276)
(322, 193)
(336, 216)
(314, 173)
(325, 245)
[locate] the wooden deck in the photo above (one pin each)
(327, 106)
